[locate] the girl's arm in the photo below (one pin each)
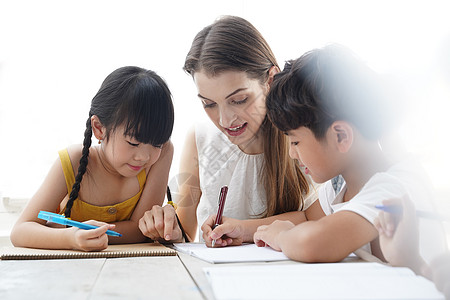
(29, 231)
(152, 195)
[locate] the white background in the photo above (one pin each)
(55, 54)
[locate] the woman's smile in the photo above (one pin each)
(236, 130)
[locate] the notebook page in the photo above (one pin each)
(319, 281)
(243, 253)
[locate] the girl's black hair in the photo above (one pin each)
(132, 97)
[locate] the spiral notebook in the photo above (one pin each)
(113, 251)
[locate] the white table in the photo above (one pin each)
(120, 278)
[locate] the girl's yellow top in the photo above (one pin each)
(82, 211)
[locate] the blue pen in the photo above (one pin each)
(396, 209)
(60, 219)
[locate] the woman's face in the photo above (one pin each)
(236, 105)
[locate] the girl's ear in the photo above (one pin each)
(98, 129)
(342, 133)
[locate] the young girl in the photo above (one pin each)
(117, 181)
(233, 67)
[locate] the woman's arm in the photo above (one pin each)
(237, 232)
(189, 191)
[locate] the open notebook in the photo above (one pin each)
(113, 251)
(319, 281)
(230, 254)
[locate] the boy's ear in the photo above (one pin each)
(343, 135)
(98, 129)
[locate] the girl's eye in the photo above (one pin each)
(294, 143)
(132, 144)
(240, 101)
(158, 146)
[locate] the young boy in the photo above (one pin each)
(334, 111)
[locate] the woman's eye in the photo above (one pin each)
(240, 101)
(132, 144)
(294, 143)
(208, 105)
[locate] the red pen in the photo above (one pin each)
(222, 197)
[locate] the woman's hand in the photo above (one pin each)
(230, 232)
(160, 224)
(92, 239)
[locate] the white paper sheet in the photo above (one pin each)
(243, 253)
(319, 281)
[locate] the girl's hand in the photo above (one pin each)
(267, 234)
(160, 223)
(93, 239)
(230, 232)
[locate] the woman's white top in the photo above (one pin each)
(223, 163)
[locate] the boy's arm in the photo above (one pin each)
(329, 239)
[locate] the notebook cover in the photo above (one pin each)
(113, 251)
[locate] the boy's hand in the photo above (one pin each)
(399, 235)
(92, 239)
(160, 223)
(230, 232)
(439, 272)
(267, 234)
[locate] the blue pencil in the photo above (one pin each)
(395, 209)
(59, 219)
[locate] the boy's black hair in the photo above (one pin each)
(325, 85)
(135, 98)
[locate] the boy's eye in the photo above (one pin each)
(158, 146)
(133, 144)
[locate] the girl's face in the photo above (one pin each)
(126, 155)
(236, 105)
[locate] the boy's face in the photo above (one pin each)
(317, 157)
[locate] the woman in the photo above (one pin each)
(233, 66)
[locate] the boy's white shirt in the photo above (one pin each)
(406, 177)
